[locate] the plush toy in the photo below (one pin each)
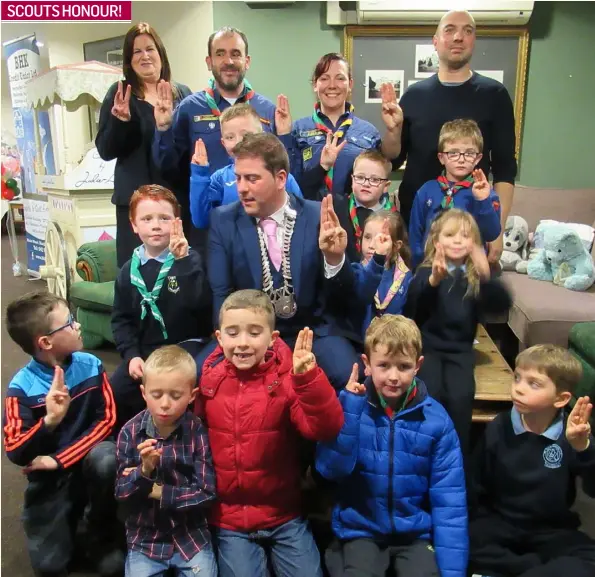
(564, 260)
(516, 241)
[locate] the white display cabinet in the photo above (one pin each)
(79, 194)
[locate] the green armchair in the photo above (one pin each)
(93, 297)
(581, 342)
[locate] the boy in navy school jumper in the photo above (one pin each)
(59, 412)
(460, 186)
(527, 467)
(401, 494)
(165, 474)
(160, 297)
(208, 191)
(368, 192)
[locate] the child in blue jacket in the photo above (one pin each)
(384, 274)
(401, 498)
(208, 191)
(460, 185)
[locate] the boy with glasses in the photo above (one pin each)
(460, 185)
(59, 412)
(369, 191)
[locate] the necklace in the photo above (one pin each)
(282, 298)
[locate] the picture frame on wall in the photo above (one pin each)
(500, 52)
(108, 51)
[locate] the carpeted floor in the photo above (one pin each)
(14, 558)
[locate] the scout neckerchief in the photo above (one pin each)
(401, 270)
(451, 188)
(340, 132)
(150, 297)
(409, 396)
(357, 229)
(210, 94)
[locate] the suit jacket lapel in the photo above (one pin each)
(300, 232)
(249, 235)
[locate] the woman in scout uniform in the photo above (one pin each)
(127, 124)
(161, 296)
(334, 114)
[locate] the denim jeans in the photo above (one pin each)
(293, 552)
(139, 565)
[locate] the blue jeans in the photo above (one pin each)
(292, 547)
(139, 565)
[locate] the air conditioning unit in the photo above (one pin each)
(414, 12)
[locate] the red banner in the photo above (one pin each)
(66, 11)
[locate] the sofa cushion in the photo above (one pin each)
(95, 296)
(543, 312)
(582, 340)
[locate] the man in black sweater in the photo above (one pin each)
(525, 481)
(457, 92)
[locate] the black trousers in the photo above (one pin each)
(367, 558)
(126, 239)
(450, 380)
(54, 502)
(127, 394)
(500, 548)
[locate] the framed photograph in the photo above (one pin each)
(426, 60)
(375, 78)
(108, 51)
(394, 53)
(495, 74)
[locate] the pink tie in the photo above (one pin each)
(269, 226)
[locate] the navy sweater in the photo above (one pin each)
(446, 316)
(184, 304)
(530, 479)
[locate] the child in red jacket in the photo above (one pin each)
(257, 399)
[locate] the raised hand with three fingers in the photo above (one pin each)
(121, 107)
(57, 400)
(383, 242)
(332, 239)
(578, 428)
(303, 357)
(353, 386)
(149, 455)
(439, 268)
(178, 245)
(481, 186)
(164, 108)
(331, 150)
(200, 155)
(282, 116)
(392, 113)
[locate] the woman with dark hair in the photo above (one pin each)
(334, 114)
(127, 125)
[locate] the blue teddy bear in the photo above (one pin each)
(563, 260)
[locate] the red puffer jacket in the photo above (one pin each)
(254, 422)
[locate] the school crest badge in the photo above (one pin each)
(307, 154)
(172, 284)
(211, 125)
(552, 456)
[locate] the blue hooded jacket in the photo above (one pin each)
(399, 476)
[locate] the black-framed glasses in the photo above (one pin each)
(455, 155)
(69, 323)
(373, 180)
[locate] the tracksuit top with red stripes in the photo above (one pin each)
(89, 420)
